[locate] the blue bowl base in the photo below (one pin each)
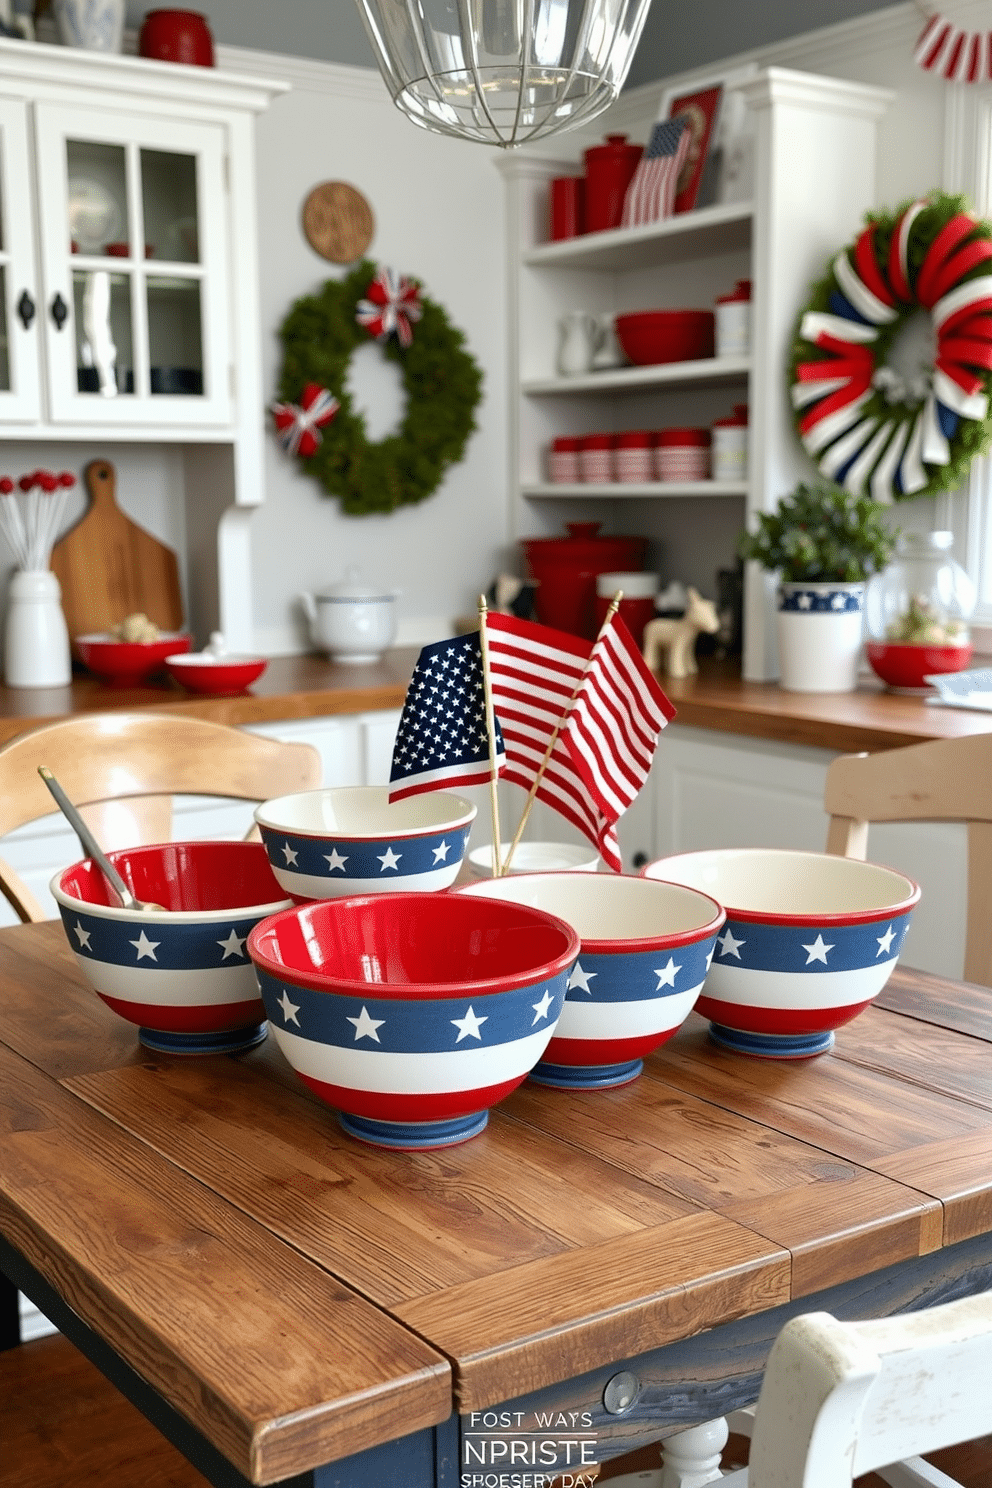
(772, 1046)
(586, 1076)
(233, 1041)
(414, 1136)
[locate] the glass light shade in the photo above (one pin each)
(503, 72)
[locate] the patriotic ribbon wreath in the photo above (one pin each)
(441, 381)
(867, 427)
(953, 53)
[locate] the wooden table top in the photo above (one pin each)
(183, 1205)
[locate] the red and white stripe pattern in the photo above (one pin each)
(603, 754)
(888, 456)
(651, 193)
(953, 53)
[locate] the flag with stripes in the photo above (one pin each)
(651, 193)
(442, 737)
(603, 754)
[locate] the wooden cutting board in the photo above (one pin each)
(108, 567)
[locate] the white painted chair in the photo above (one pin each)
(842, 1399)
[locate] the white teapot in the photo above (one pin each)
(352, 621)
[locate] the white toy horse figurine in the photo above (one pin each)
(678, 637)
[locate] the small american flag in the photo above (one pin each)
(602, 756)
(442, 737)
(651, 193)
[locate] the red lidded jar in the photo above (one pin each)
(633, 458)
(682, 455)
(566, 207)
(566, 569)
(609, 170)
(563, 461)
(596, 458)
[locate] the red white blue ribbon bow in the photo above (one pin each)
(392, 305)
(887, 455)
(299, 424)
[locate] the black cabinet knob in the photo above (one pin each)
(60, 311)
(25, 309)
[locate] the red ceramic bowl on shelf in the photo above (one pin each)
(225, 675)
(653, 336)
(125, 663)
(176, 36)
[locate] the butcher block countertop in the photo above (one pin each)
(299, 687)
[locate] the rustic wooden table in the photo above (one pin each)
(594, 1271)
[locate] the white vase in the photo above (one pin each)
(819, 636)
(95, 25)
(36, 642)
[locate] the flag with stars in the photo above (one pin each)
(651, 193)
(442, 737)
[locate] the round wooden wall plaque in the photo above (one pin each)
(338, 222)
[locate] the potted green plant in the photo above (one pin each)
(824, 543)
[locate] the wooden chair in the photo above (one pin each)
(839, 1400)
(942, 780)
(123, 770)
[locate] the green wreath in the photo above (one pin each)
(442, 382)
(866, 426)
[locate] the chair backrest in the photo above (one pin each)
(842, 1399)
(942, 780)
(122, 770)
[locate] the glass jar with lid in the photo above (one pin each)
(917, 612)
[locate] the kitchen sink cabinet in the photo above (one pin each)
(812, 143)
(127, 259)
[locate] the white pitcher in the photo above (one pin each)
(36, 643)
(577, 333)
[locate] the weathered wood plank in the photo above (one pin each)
(938, 1000)
(275, 1362)
(925, 1056)
(958, 1172)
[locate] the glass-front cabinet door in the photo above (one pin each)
(133, 230)
(20, 308)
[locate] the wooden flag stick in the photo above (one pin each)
(491, 732)
(532, 793)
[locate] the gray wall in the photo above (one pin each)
(678, 35)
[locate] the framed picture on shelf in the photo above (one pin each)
(712, 109)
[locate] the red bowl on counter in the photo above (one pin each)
(125, 663)
(220, 675)
(907, 667)
(652, 336)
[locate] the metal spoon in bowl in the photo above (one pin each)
(92, 847)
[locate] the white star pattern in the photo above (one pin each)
(289, 1009)
(581, 979)
(83, 936)
(804, 601)
(389, 859)
(666, 974)
(541, 1008)
(146, 947)
(232, 945)
(335, 860)
(885, 941)
(728, 945)
(468, 1027)
(289, 854)
(817, 951)
(441, 852)
(366, 1025)
(838, 602)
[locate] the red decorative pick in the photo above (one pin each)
(6, 485)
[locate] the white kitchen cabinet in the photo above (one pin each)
(709, 789)
(813, 150)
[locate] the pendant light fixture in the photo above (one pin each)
(503, 72)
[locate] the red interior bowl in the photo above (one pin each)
(216, 674)
(666, 336)
(184, 877)
(127, 662)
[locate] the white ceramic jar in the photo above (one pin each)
(352, 621)
(36, 641)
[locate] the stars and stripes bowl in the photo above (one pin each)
(182, 973)
(810, 939)
(347, 840)
(412, 1015)
(645, 950)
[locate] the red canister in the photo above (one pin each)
(609, 169)
(682, 455)
(563, 461)
(633, 457)
(566, 569)
(566, 207)
(177, 36)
